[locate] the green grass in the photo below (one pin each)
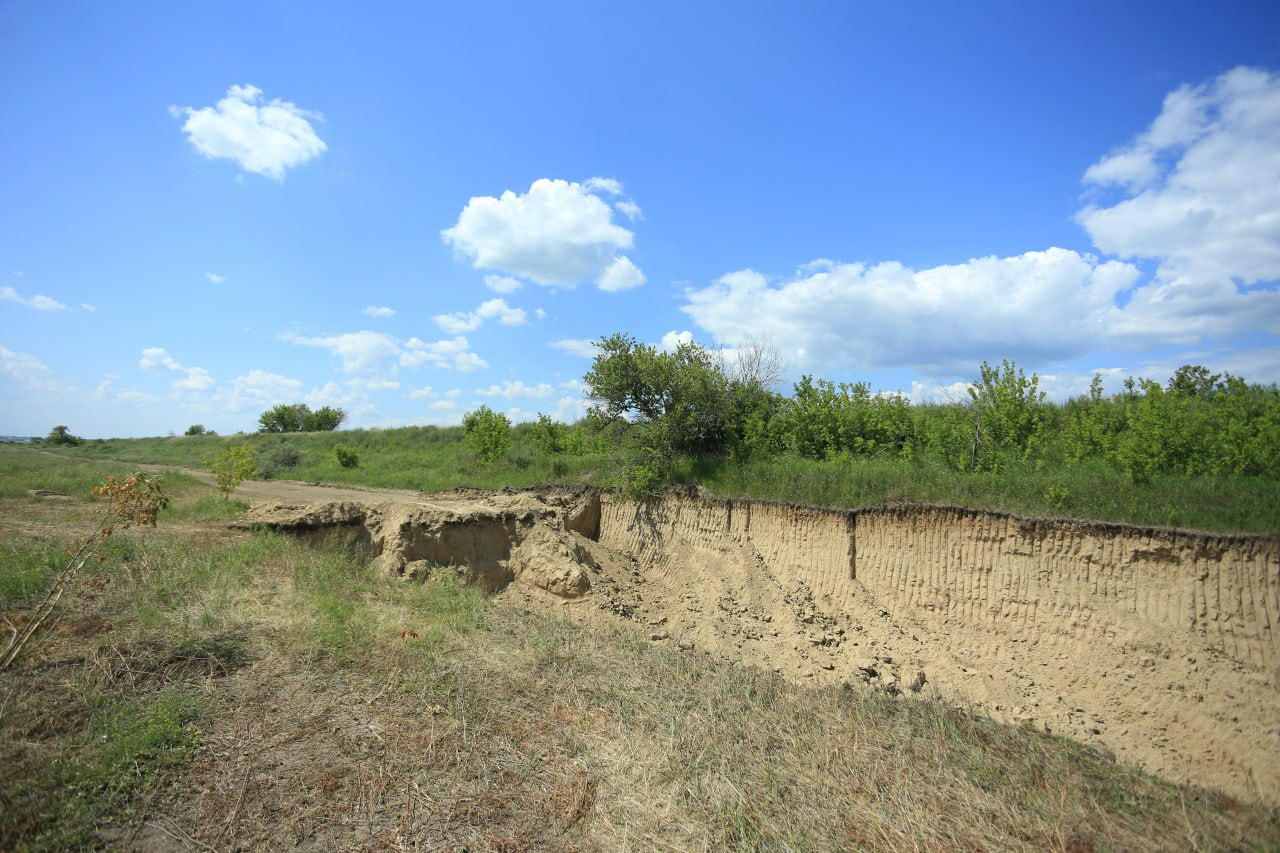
(525, 730)
(433, 459)
(1089, 490)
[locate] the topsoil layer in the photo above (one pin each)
(1159, 645)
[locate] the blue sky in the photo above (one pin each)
(408, 210)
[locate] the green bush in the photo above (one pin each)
(347, 457)
(231, 467)
(60, 435)
(488, 433)
(275, 458)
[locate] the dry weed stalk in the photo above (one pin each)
(134, 501)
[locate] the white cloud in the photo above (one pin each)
(671, 341)
(361, 352)
(423, 393)
(382, 385)
(158, 360)
(469, 321)
(27, 370)
(1054, 303)
(215, 278)
(468, 361)
(264, 138)
(577, 346)
(1203, 192)
(502, 283)
(621, 275)
(443, 405)
(559, 233)
(540, 314)
(378, 311)
(517, 390)
(629, 209)
(258, 387)
(453, 352)
(38, 302)
(86, 306)
(197, 379)
(608, 186)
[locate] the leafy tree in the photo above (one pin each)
(549, 436)
(682, 397)
(285, 417)
(60, 435)
(298, 417)
(231, 467)
(1008, 414)
(195, 429)
(488, 433)
(324, 419)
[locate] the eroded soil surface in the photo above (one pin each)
(1159, 645)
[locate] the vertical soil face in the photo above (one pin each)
(1160, 645)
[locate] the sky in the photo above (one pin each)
(408, 210)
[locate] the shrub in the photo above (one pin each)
(488, 433)
(231, 467)
(61, 435)
(347, 457)
(277, 457)
(548, 435)
(195, 429)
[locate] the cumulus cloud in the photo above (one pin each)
(468, 362)
(502, 283)
(361, 352)
(215, 278)
(1201, 195)
(671, 341)
(265, 138)
(577, 346)
(468, 321)
(158, 360)
(455, 352)
(559, 233)
(379, 311)
(197, 379)
(38, 302)
(1055, 303)
(517, 390)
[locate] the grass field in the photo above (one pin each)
(209, 688)
(435, 458)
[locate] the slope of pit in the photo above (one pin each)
(1160, 645)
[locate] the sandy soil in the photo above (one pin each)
(1158, 645)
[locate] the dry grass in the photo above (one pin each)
(293, 699)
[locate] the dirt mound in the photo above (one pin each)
(1160, 645)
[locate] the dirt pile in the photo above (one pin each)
(1160, 645)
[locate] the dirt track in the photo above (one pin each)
(1159, 645)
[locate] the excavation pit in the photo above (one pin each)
(1159, 645)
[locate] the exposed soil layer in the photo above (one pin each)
(1160, 645)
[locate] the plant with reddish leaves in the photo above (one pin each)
(132, 502)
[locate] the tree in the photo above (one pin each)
(324, 419)
(60, 435)
(488, 433)
(684, 398)
(195, 429)
(231, 467)
(298, 417)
